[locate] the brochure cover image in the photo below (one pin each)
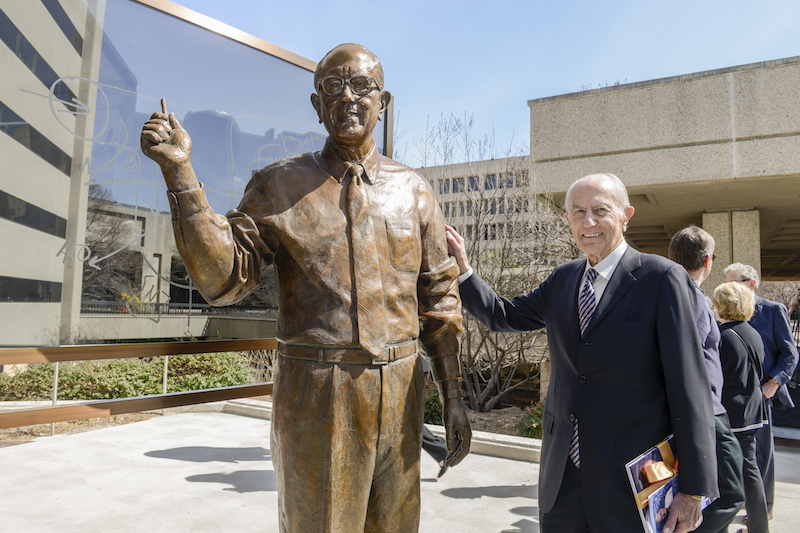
(653, 497)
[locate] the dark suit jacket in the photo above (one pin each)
(636, 376)
(771, 321)
(741, 394)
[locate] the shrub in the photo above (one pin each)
(531, 425)
(433, 407)
(121, 378)
(208, 371)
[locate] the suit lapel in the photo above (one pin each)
(621, 280)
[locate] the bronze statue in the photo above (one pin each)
(363, 275)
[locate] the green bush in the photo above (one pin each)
(433, 407)
(121, 378)
(531, 425)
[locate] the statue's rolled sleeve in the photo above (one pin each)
(441, 324)
(220, 252)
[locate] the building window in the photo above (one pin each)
(491, 182)
(473, 184)
(509, 179)
(29, 290)
(65, 24)
(19, 211)
(24, 50)
(444, 186)
(458, 184)
(25, 134)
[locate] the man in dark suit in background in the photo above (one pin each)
(627, 368)
(771, 320)
(693, 249)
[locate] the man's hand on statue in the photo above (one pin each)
(459, 434)
(456, 248)
(167, 143)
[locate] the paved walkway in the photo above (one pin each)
(211, 472)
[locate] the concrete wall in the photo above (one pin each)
(730, 123)
(688, 147)
(130, 327)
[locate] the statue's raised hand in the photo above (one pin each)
(169, 145)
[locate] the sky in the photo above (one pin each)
(482, 61)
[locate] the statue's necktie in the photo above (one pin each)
(369, 297)
(586, 306)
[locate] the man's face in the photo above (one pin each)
(735, 276)
(348, 117)
(596, 219)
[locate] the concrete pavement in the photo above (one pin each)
(211, 471)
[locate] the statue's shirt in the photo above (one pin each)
(293, 215)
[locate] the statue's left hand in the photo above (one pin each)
(458, 431)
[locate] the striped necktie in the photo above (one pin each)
(586, 306)
(586, 300)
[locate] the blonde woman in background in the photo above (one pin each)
(741, 352)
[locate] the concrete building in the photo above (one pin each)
(47, 58)
(74, 94)
(482, 199)
(718, 149)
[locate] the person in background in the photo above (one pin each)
(693, 249)
(771, 321)
(742, 353)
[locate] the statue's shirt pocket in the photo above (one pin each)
(404, 245)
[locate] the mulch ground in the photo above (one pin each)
(11, 436)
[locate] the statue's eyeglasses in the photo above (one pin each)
(360, 85)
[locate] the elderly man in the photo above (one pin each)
(359, 247)
(627, 368)
(771, 320)
(693, 249)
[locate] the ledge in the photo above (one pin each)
(483, 443)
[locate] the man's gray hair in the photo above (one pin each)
(614, 184)
(745, 271)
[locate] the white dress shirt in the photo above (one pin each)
(605, 269)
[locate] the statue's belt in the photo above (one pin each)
(353, 356)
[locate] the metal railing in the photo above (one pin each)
(94, 409)
(94, 307)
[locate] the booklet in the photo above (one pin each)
(654, 481)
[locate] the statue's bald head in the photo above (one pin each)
(346, 52)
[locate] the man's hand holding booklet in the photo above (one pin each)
(654, 481)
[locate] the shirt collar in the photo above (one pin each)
(606, 267)
(331, 161)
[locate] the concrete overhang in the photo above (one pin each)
(723, 140)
